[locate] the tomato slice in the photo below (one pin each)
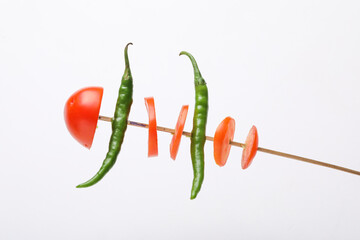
(81, 114)
(251, 146)
(223, 135)
(153, 143)
(175, 141)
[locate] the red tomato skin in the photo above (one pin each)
(179, 128)
(152, 141)
(251, 146)
(81, 114)
(223, 135)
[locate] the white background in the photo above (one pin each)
(289, 67)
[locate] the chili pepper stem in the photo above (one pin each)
(242, 145)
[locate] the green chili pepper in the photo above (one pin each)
(198, 136)
(119, 124)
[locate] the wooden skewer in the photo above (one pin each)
(242, 145)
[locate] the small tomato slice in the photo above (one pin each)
(223, 135)
(251, 146)
(153, 143)
(175, 141)
(81, 114)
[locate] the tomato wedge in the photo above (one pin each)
(175, 141)
(251, 146)
(81, 113)
(223, 135)
(152, 142)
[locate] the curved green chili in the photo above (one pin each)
(198, 136)
(119, 124)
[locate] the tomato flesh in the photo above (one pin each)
(81, 114)
(223, 135)
(152, 142)
(175, 141)
(251, 146)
